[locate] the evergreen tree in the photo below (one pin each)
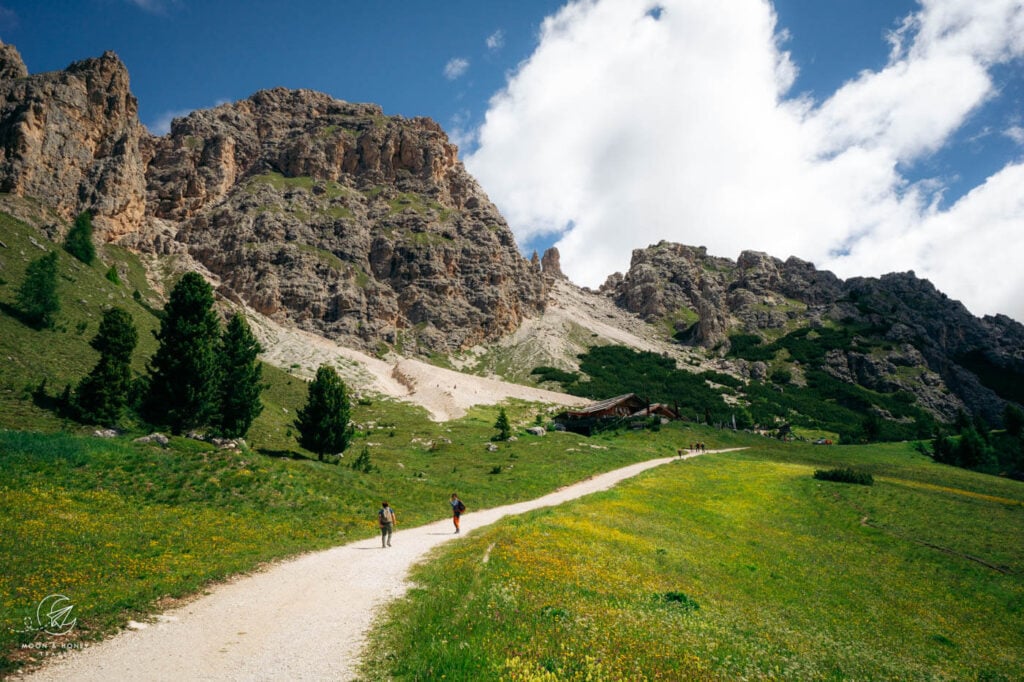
(37, 297)
(184, 374)
(503, 425)
(102, 395)
(323, 422)
(1013, 420)
(79, 239)
(241, 379)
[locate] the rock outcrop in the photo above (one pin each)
(328, 214)
(72, 138)
(920, 340)
(345, 221)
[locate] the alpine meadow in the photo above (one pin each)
(224, 346)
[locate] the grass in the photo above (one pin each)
(734, 566)
(121, 528)
(84, 293)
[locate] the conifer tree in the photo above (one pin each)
(37, 299)
(241, 379)
(184, 375)
(102, 395)
(503, 425)
(78, 242)
(323, 423)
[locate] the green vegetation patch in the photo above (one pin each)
(725, 567)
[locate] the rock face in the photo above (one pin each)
(367, 228)
(345, 221)
(72, 138)
(919, 340)
(315, 211)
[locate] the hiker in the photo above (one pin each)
(457, 509)
(387, 520)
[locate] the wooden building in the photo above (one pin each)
(593, 417)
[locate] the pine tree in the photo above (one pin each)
(37, 297)
(241, 379)
(102, 395)
(323, 422)
(79, 239)
(503, 425)
(184, 375)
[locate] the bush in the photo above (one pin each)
(845, 475)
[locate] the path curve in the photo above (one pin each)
(302, 619)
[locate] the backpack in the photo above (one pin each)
(386, 515)
(462, 507)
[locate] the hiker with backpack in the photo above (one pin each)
(457, 508)
(387, 520)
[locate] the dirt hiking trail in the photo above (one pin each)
(301, 619)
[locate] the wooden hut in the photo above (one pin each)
(587, 419)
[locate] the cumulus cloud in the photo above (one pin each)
(639, 121)
(455, 68)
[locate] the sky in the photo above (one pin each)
(865, 136)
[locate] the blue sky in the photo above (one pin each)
(866, 136)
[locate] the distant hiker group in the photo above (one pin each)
(387, 520)
(696, 447)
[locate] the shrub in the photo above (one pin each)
(845, 475)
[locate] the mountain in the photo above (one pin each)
(889, 334)
(333, 218)
(321, 213)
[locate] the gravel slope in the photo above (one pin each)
(304, 619)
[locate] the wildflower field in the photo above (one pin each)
(727, 567)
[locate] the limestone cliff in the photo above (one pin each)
(72, 139)
(331, 215)
(914, 338)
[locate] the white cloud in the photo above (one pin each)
(496, 40)
(455, 68)
(1015, 133)
(628, 126)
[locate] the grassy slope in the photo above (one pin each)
(732, 566)
(118, 526)
(62, 355)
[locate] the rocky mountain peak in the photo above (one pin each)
(551, 264)
(73, 137)
(316, 211)
(12, 66)
(905, 320)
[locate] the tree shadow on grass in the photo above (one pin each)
(281, 454)
(17, 314)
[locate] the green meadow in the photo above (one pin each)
(732, 566)
(124, 529)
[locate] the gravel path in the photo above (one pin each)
(303, 619)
